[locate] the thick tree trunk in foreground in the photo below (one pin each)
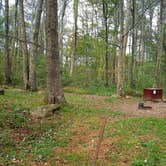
(54, 92)
(32, 76)
(7, 51)
(24, 47)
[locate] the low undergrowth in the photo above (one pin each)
(70, 137)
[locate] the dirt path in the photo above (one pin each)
(128, 106)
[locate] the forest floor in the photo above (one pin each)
(127, 105)
(70, 137)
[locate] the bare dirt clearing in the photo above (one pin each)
(128, 106)
(131, 107)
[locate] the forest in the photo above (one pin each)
(82, 82)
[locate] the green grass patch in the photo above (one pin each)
(20, 99)
(111, 99)
(141, 138)
(134, 140)
(74, 157)
(97, 90)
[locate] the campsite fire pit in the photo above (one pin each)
(142, 106)
(153, 94)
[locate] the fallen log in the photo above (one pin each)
(45, 111)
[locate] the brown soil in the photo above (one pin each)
(128, 105)
(131, 108)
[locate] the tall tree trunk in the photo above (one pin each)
(34, 53)
(142, 41)
(7, 51)
(54, 92)
(73, 58)
(121, 69)
(142, 49)
(164, 46)
(61, 28)
(115, 39)
(15, 41)
(24, 46)
(132, 64)
(105, 15)
(161, 41)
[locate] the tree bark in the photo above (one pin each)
(61, 28)
(121, 65)
(24, 47)
(105, 15)
(15, 41)
(164, 47)
(142, 50)
(162, 22)
(7, 51)
(132, 64)
(34, 52)
(73, 58)
(54, 92)
(115, 39)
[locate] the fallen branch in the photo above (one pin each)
(101, 135)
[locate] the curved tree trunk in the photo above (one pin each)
(54, 92)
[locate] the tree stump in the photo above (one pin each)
(2, 92)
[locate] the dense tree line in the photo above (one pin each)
(112, 43)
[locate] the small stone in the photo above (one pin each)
(40, 156)
(145, 161)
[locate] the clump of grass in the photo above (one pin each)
(152, 156)
(139, 138)
(12, 119)
(6, 140)
(75, 157)
(20, 99)
(111, 99)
